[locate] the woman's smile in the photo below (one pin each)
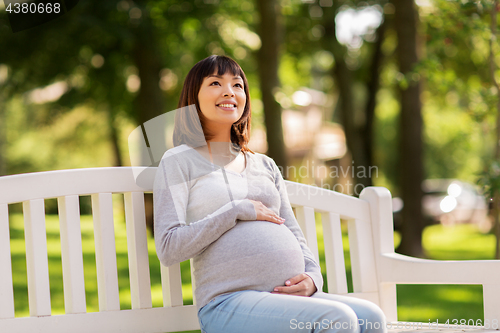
(227, 106)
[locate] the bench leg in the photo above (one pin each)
(388, 301)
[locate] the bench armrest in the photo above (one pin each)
(398, 268)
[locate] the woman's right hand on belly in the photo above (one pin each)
(265, 214)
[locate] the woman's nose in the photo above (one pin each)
(229, 92)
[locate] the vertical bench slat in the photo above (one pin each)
(364, 275)
(491, 302)
(388, 300)
(193, 281)
(137, 243)
(6, 287)
(71, 254)
(105, 252)
(334, 253)
(171, 284)
(307, 222)
(36, 258)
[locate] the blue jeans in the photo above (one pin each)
(252, 311)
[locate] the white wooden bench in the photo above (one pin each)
(376, 269)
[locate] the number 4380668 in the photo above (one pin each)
(33, 8)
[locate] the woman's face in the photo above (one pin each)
(222, 101)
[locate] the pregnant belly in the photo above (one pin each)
(256, 255)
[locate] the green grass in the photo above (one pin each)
(415, 302)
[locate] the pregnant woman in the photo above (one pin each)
(226, 207)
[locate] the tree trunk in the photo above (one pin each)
(113, 137)
(3, 138)
(373, 87)
(410, 145)
(149, 102)
(267, 58)
(358, 136)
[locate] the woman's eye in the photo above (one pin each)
(218, 83)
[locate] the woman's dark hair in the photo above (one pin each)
(189, 120)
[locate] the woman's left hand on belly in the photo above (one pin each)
(299, 285)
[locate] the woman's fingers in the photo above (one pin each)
(271, 217)
(266, 214)
(300, 285)
(276, 219)
(297, 289)
(296, 279)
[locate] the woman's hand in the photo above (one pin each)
(300, 285)
(265, 214)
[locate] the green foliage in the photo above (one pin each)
(457, 38)
(489, 180)
(386, 138)
(93, 50)
(459, 104)
(454, 142)
(77, 138)
(454, 67)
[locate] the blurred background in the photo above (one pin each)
(345, 94)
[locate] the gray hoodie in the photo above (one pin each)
(203, 212)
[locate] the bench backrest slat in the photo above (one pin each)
(171, 285)
(193, 281)
(105, 252)
(307, 222)
(137, 243)
(323, 200)
(364, 274)
(54, 184)
(6, 291)
(334, 253)
(71, 254)
(37, 264)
